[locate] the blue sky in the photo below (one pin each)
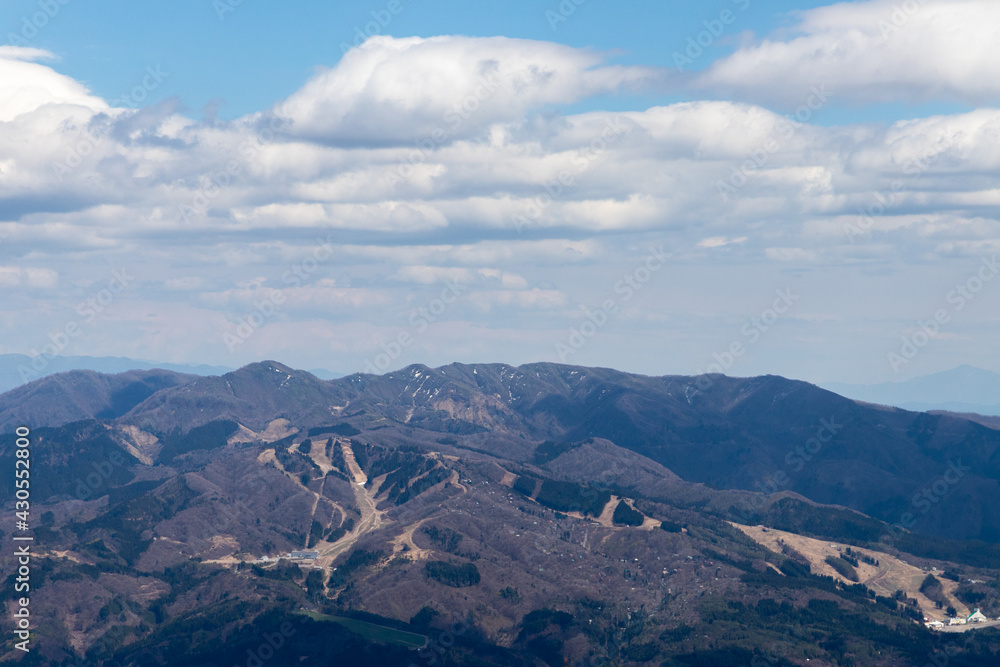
(248, 57)
(256, 180)
(261, 51)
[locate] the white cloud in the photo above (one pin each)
(663, 173)
(430, 275)
(597, 201)
(384, 216)
(26, 86)
(720, 242)
(877, 51)
(12, 276)
(433, 275)
(544, 252)
(399, 90)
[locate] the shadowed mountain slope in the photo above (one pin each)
(75, 395)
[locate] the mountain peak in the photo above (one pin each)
(266, 366)
(269, 373)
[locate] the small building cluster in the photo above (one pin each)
(295, 555)
(975, 617)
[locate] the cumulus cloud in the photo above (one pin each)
(26, 85)
(876, 51)
(699, 170)
(531, 211)
(390, 91)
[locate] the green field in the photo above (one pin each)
(372, 632)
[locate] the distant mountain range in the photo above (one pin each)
(963, 389)
(16, 369)
(540, 514)
(729, 433)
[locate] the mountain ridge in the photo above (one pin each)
(16, 370)
(764, 433)
(554, 513)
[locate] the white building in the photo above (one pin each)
(976, 617)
